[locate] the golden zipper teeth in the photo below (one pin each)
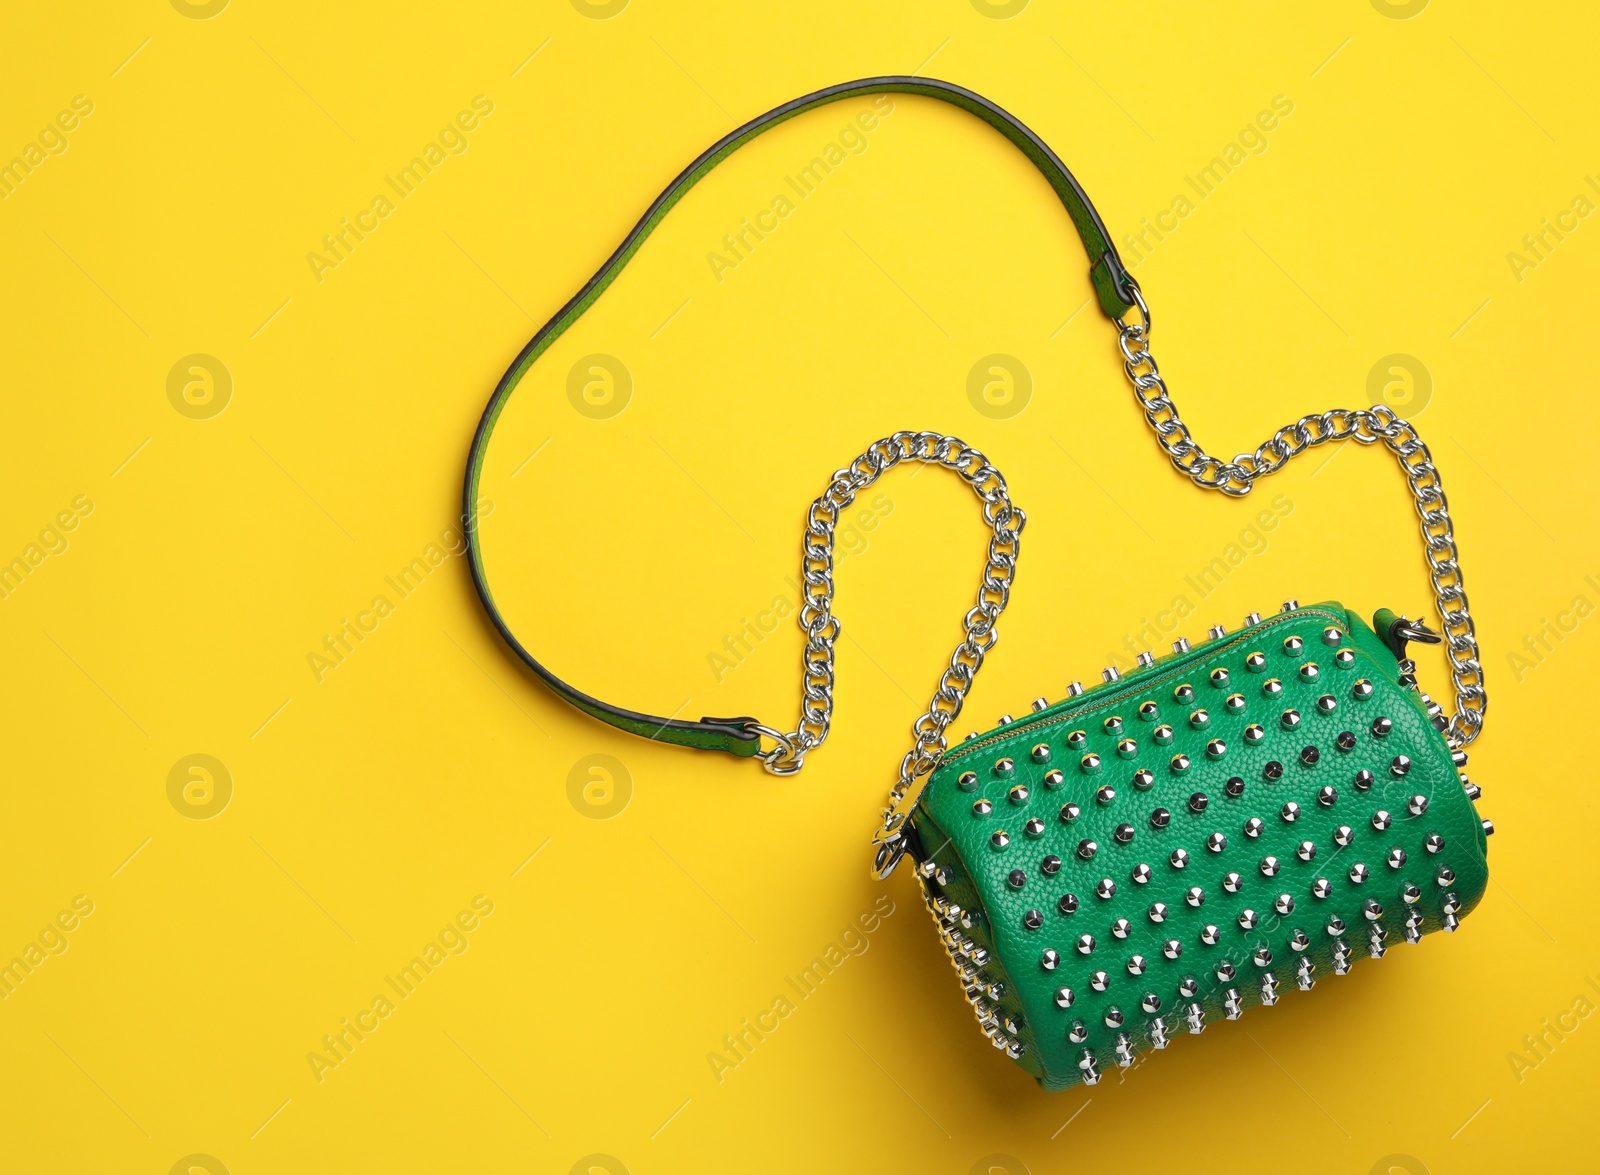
(1200, 653)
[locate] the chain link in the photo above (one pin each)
(822, 627)
(1365, 426)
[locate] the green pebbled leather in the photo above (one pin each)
(968, 858)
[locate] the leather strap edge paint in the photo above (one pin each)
(1107, 274)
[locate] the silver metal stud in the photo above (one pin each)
(1210, 935)
(1136, 965)
(1195, 897)
(1121, 928)
(1373, 909)
(1299, 941)
(1040, 753)
(1434, 843)
(1158, 911)
(1488, 827)
(1261, 956)
(1005, 720)
(1321, 888)
(1188, 987)
(1074, 689)
(1172, 948)
(1381, 820)
(1307, 851)
(1327, 797)
(1417, 805)
(1335, 927)
(1123, 1049)
(1144, 779)
(1064, 997)
(1140, 874)
(1358, 873)
(1253, 827)
(1247, 919)
(1284, 904)
(1232, 1005)
(1113, 1017)
(1225, 971)
(1085, 944)
(1256, 662)
(1396, 858)
(1179, 858)
(1196, 1016)
(1105, 889)
(1040, 704)
(1181, 645)
(1146, 659)
(1331, 636)
(1049, 960)
(1216, 842)
(1290, 812)
(1343, 836)
(1217, 631)
(999, 839)
(1110, 673)
(1149, 1003)
(1091, 1075)
(1018, 794)
(1078, 1033)
(1099, 981)
(1158, 1034)
(1104, 794)
(1253, 618)
(1269, 866)
(1232, 882)
(1034, 827)
(1444, 876)
(982, 807)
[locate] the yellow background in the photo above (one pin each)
(370, 806)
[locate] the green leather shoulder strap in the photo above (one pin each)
(1112, 284)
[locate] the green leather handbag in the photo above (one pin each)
(1180, 842)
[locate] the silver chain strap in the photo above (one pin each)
(822, 627)
(1365, 426)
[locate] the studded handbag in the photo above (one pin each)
(1178, 843)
